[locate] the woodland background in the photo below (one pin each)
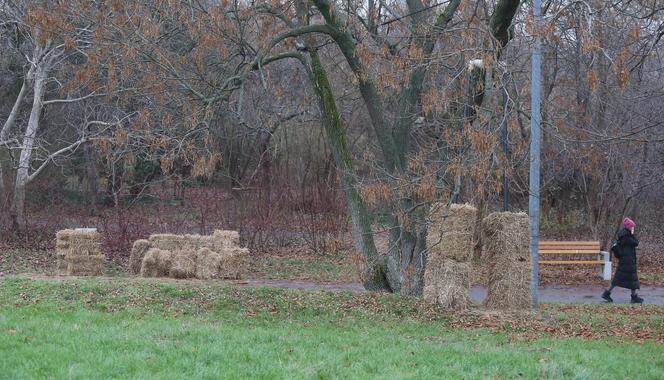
(322, 127)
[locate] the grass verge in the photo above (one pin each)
(125, 328)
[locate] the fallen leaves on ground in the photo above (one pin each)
(633, 323)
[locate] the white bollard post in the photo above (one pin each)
(606, 268)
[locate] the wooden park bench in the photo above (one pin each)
(585, 248)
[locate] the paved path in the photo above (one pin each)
(548, 293)
(584, 294)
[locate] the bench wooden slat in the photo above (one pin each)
(552, 242)
(569, 247)
(548, 247)
(544, 246)
(568, 251)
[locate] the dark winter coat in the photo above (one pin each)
(626, 276)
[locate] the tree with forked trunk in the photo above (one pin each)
(395, 56)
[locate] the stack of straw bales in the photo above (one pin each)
(449, 251)
(78, 253)
(506, 238)
(190, 256)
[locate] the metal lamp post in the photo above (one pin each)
(535, 121)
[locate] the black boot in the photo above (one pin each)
(607, 296)
(636, 298)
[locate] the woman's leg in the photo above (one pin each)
(635, 297)
(607, 294)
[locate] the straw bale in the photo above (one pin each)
(85, 265)
(234, 263)
(84, 233)
(509, 290)
(450, 232)
(506, 238)
(156, 263)
(62, 240)
(167, 242)
(453, 218)
(447, 283)
(62, 245)
(457, 246)
(78, 253)
(181, 242)
(506, 232)
(184, 256)
(183, 264)
(207, 264)
(200, 241)
(60, 263)
(61, 250)
(138, 251)
(190, 242)
(84, 244)
(63, 235)
(225, 239)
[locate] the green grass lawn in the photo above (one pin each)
(127, 328)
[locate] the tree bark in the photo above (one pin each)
(22, 173)
(374, 276)
(367, 87)
(93, 179)
(4, 132)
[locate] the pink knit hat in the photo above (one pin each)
(628, 223)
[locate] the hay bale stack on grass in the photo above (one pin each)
(183, 264)
(446, 282)
(61, 251)
(167, 242)
(138, 251)
(506, 238)
(156, 263)
(192, 243)
(225, 239)
(207, 264)
(85, 265)
(455, 218)
(214, 256)
(234, 263)
(450, 232)
(78, 253)
(449, 251)
(230, 264)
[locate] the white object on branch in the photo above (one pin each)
(475, 64)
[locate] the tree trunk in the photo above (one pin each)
(22, 173)
(374, 276)
(4, 132)
(406, 255)
(3, 195)
(93, 179)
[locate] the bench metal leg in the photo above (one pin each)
(606, 267)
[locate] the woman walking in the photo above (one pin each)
(626, 275)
